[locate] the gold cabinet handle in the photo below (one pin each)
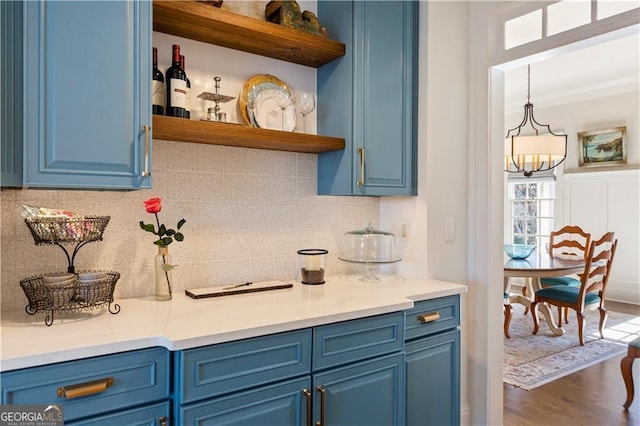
(428, 317)
(162, 421)
(84, 389)
(307, 395)
(361, 181)
(322, 391)
(147, 129)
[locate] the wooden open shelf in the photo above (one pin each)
(203, 22)
(180, 129)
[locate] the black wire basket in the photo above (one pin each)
(62, 231)
(76, 296)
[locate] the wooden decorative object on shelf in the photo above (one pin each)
(288, 14)
(214, 3)
(198, 21)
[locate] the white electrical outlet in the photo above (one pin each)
(404, 233)
(449, 229)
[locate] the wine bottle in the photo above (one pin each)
(158, 86)
(176, 81)
(188, 103)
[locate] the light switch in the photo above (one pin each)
(449, 229)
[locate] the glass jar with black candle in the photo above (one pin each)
(176, 81)
(188, 102)
(158, 96)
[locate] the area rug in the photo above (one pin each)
(530, 361)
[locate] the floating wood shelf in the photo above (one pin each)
(180, 129)
(202, 22)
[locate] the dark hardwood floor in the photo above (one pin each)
(593, 396)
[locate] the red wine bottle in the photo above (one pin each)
(176, 81)
(158, 86)
(188, 104)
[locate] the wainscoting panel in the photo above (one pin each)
(602, 201)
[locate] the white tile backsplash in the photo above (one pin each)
(248, 211)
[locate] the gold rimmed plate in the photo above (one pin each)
(252, 88)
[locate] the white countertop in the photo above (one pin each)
(186, 323)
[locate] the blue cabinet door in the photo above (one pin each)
(369, 96)
(367, 393)
(433, 380)
(148, 415)
(87, 94)
(282, 404)
(11, 13)
(112, 383)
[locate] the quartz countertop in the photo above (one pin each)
(184, 322)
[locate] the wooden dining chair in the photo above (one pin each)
(593, 285)
(626, 366)
(508, 313)
(567, 242)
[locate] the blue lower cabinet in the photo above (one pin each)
(349, 341)
(110, 384)
(346, 373)
(367, 393)
(433, 380)
(216, 370)
(281, 404)
(152, 415)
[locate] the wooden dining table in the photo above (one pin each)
(539, 264)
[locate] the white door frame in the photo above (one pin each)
(486, 182)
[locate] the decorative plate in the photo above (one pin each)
(268, 112)
(250, 90)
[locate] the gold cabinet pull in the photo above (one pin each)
(147, 129)
(361, 181)
(84, 389)
(307, 395)
(428, 317)
(322, 391)
(162, 421)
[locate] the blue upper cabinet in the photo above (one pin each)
(370, 96)
(87, 92)
(11, 93)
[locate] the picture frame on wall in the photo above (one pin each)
(601, 148)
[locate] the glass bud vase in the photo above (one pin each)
(163, 274)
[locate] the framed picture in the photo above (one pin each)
(602, 147)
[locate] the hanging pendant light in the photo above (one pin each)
(535, 151)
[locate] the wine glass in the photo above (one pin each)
(283, 100)
(305, 103)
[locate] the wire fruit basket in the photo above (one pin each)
(73, 230)
(74, 296)
(73, 293)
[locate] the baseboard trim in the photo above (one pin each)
(465, 415)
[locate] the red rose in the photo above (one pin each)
(153, 205)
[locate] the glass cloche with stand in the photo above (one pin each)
(371, 248)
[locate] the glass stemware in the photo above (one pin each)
(283, 100)
(251, 105)
(305, 103)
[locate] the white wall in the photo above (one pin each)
(442, 157)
